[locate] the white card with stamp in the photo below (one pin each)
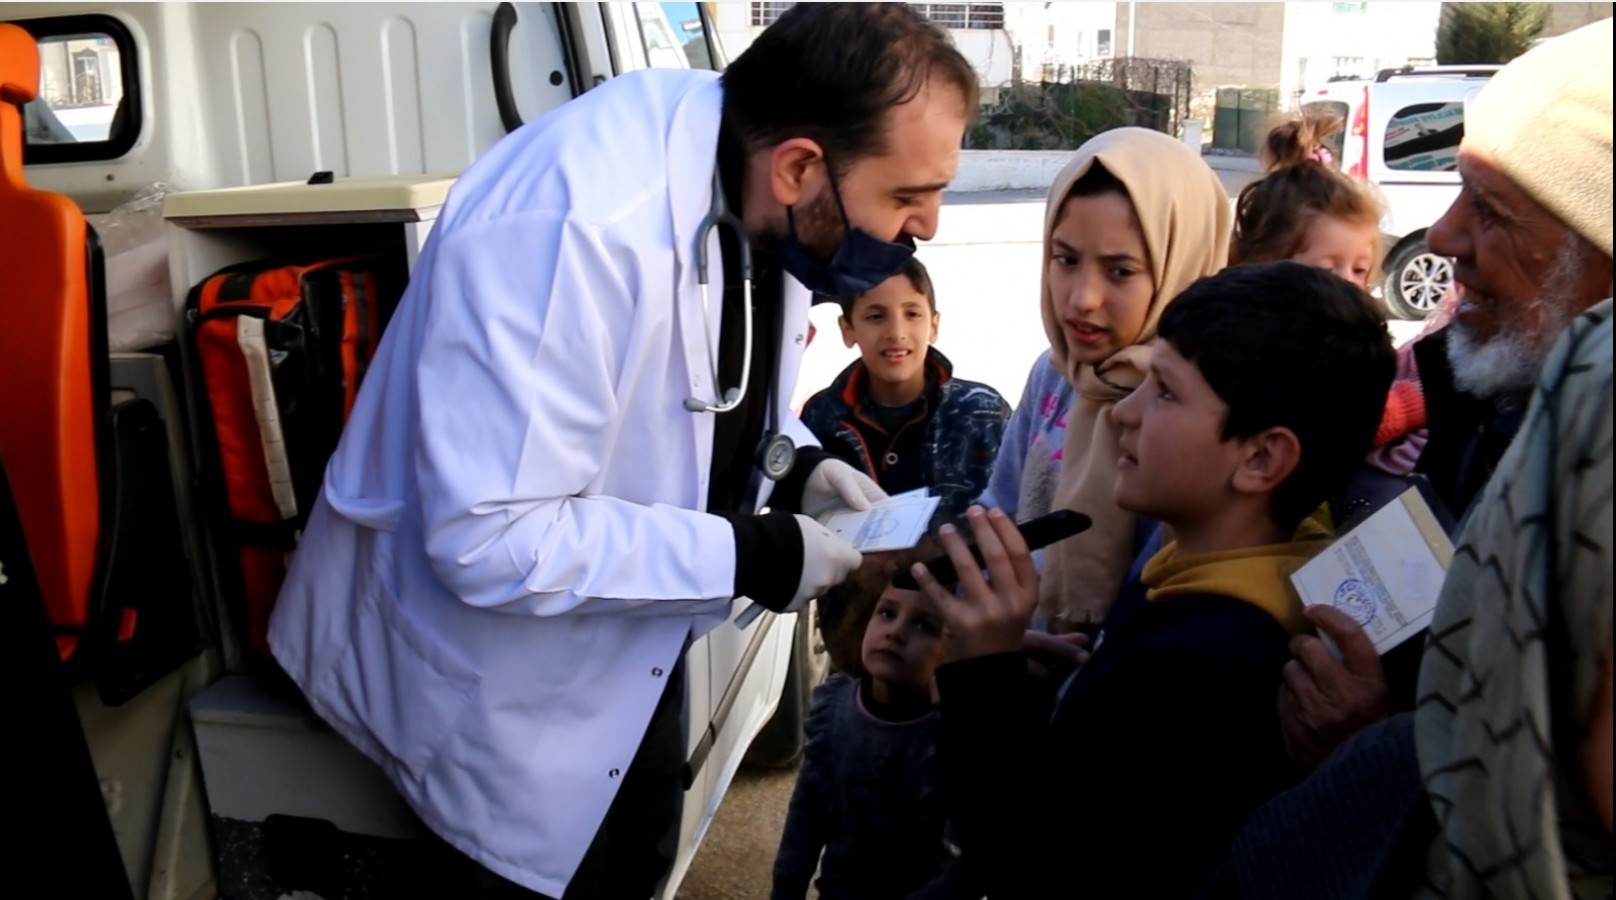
(1386, 574)
(896, 523)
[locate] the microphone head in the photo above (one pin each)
(695, 404)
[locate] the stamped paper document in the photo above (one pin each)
(1385, 574)
(896, 523)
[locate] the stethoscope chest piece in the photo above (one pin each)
(777, 456)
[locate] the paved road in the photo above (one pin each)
(737, 856)
(984, 263)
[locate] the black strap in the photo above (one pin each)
(280, 535)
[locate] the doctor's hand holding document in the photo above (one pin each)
(555, 475)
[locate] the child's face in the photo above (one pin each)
(892, 325)
(1345, 248)
(1099, 276)
(904, 641)
(1175, 464)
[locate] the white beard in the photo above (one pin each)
(1513, 359)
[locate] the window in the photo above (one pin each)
(1425, 137)
(764, 14)
(1102, 47)
(972, 16)
(986, 16)
(675, 35)
(1347, 66)
(88, 106)
(969, 16)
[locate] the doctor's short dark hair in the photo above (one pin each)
(830, 72)
(1287, 345)
(915, 271)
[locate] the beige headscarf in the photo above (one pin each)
(1185, 216)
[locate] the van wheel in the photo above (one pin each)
(779, 744)
(1416, 279)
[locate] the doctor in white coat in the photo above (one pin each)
(535, 508)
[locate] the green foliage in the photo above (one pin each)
(1049, 116)
(1488, 33)
(1073, 104)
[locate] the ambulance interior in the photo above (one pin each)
(143, 148)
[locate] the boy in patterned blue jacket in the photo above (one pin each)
(898, 413)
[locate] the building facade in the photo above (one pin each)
(1055, 38)
(1564, 17)
(1276, 50)
(978, 30)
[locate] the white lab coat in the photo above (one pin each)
(508, 553)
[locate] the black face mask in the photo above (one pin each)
(861, 261)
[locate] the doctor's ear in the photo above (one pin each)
(795, 167)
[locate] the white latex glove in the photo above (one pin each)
(827, 560)
(834, 484)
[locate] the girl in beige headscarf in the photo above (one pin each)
(1132, 220)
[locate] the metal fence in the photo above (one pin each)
(1157, 90)
(1073, 103)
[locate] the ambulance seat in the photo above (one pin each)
(91, 479)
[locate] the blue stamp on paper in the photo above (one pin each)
(1357, 600)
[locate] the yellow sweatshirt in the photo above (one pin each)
(1257, 575)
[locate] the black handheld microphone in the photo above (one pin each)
(1038, 533)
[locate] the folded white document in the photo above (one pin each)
(896, 523)
(1386, 573)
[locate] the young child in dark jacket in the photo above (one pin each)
(898, 414)
(1265, 390)
(865, 794)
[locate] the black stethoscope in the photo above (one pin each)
(776, 453)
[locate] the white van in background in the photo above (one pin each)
(1401, 132)
(266, 129)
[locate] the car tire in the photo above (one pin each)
(779, 743)
(1415, 280)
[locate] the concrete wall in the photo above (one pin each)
(1030, 170)
(1564, 17)
(1008, 170)
(1236, 44)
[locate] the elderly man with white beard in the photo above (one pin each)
(1530, 236)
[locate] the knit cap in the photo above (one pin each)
(1544, 121)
